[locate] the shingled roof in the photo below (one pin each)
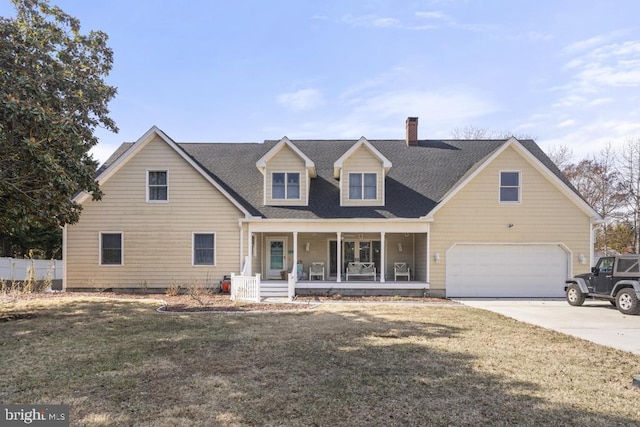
(420, 177)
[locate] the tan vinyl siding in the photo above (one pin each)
(545, 215)
(362, 161)
(393, 254)
(158, 237)
(286, 160)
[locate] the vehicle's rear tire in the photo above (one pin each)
(575, 296)
(627, 301)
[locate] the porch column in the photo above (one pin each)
(383, 261)
(249, 257)
(428, 260)
(339, 256)
(295, 255)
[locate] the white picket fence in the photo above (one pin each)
(18, 270)
(245, 288)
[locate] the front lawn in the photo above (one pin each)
(120, 362)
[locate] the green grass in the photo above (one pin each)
(121, 363)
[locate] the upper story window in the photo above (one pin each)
(285, 185)
(110, 248)
(157, 186)
(363, 186)
(509, 187)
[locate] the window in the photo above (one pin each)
(110, 248)
(158, 187)
(628, 265)
(509, 187)
(363, 186)
(285, 185)
(605, 265)
(203, 249)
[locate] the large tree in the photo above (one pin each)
(629, 170)
(599, 183)
(53, 96)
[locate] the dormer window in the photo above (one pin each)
(285, 185)
(363, 186)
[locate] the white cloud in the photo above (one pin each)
(599, 101)
(586, 44)
(370, 21)
(589, 139)
(433, 15)
(376, 112)
(374, 21)
(570, 100)
(611, 65)
(531, 36)
(302, 100)
(566, 123)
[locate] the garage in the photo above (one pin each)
(518, 271)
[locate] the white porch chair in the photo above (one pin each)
(401, 269)
(316, 270)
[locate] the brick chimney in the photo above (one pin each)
(412, 131)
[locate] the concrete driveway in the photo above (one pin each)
(595, 321)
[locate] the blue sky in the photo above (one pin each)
(562, 72)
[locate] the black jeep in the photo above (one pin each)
(615, 279)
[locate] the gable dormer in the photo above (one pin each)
(362, 171)
(287, 172)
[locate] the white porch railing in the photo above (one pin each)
(245, 288)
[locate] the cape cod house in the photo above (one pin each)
(455, 218)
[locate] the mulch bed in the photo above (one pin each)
(205, 301)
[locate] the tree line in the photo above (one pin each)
(610, 182)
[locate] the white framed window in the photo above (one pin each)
(111, 248)
(157, 186)
(285, 185)
(510, 187)
(204, 252)
(363, 186)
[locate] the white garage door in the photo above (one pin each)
(506, 271)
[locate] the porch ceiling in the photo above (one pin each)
(344, 226)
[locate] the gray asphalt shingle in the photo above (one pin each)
(419, 178)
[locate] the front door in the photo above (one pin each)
(277, 257)
(353, 250)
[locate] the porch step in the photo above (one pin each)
(274, 290)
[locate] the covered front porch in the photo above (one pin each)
(370, 257)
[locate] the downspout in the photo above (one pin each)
(339, 257)
(241, 245)
(592, 244)
(428, 260)
(64, 258)
(383, 260)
